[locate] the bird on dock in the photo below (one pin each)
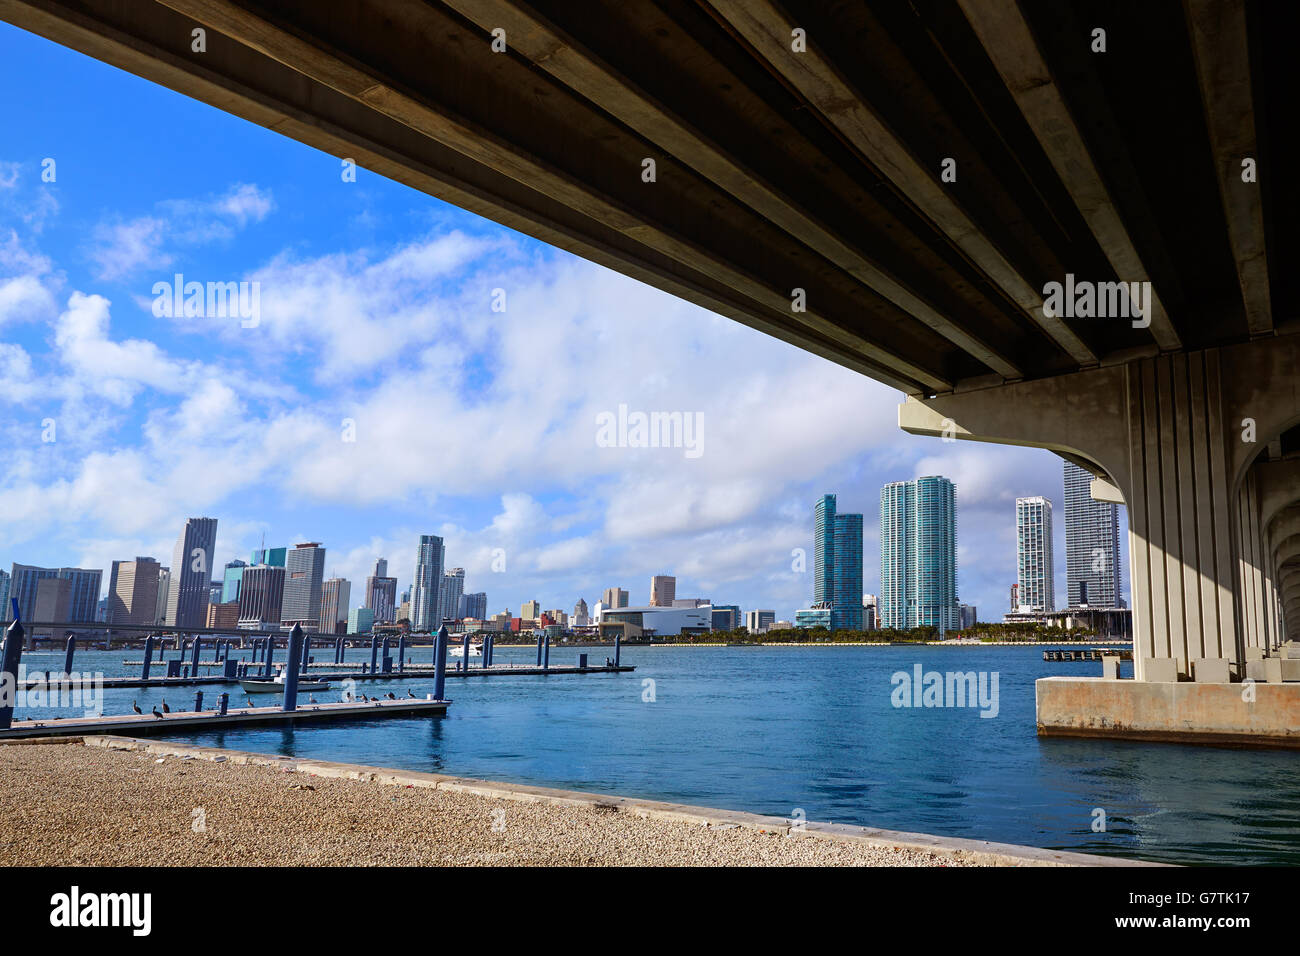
(365, 699)
(392, 696)
(250, 701)
(311, 699)
(410, 693)
(136, 707)
(156, 713)
(166, 709)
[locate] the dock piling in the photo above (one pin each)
(148, 657)
(374, 653)
(194, 656)
(465, 652)
(440, 664)
(401, 653)
(296, 643)
(546, 652)
(67, 659)
(13, 652)
(222, 703)
(198, 701)
(618, 646)
(268, 653)
(539, 650)
(338, 650)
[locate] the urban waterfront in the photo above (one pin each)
(784, 730)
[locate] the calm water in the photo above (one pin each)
(770, 730)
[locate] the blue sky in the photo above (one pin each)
(376, 309)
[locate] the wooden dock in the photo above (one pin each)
(135, 724)
(424, 672)
(1091, 654)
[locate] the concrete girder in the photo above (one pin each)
(1010, 44)
(767, 30)
(376, 91)
(1279, 488)
(1284, 524)
(1288, 550)
(551, 49)
(1221, 51)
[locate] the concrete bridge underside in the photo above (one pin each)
(891, 186)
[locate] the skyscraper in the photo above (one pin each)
(474, 605)
(663, 590)
(191, 567)
(381, 594)
(261, 595)
(133, 594)
(837, 564)
(336, 596)
(453, 586)
(918, 554)
(614, 598)
(426, 615)
(530, 610)
(82, 595)
(580, 613)
(1092, 574)
(230, 580)
(5, 612)
(1034, 571)
(304, 576)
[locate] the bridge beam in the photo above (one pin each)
(1168, 433)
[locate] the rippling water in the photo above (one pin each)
(775, 730)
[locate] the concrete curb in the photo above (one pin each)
(980, 852)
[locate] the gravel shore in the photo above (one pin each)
(72, 805)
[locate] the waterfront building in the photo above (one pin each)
(1035, 577)
(530, 610)
(453, 586)
(474, 605)
(82, 598)
(918, 554)
(361, 620)
(757, 622)
(53, 596)
(614, 598)
(304, 580)
(191, 569)
(837, 564)
(580, 618)
(727, 617)
(426, 615)
(261, 595)
(223, 615)
(214, 592)
(234, 570)
(275, 557)
(662, 620)
(663, 590)
(5, 613)
(870, 612)
(819, 615)
(336, 596)
(381, 594)
(1015, 597)
(1092, 572)
(164, 589)
(133, 592)
(968, 615)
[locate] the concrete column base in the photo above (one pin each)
(1172, 712)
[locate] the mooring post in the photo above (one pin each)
(546, 655)
(223, 702)
(539, 650)
(267, 654)
(618, 645)
(148, 657)
(194, 656)
(401, 653)
(13, 652)
(198, 701)
(487, 650)
(67, 658)
(338, 650)
(374, 653)
(306, 652)
(440, 664)
(291, 669)
(385, 665)
(465, 652)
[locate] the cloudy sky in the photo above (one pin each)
(379, 395)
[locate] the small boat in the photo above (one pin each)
(458, 650)
(276, 685)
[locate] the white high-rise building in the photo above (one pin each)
(453, 587)
(304, 579)
(1035, 572)
(426, 615)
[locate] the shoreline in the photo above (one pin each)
(447, 820)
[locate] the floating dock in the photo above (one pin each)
(211, 720)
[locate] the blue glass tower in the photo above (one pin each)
(837, 574)
(918, 554)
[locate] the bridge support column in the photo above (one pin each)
(1177, 436)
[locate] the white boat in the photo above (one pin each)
(458, 650)
(275, 685)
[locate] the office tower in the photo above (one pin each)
(727, 617)
(1034, 573)
(52, 601)
(1092, 574)
(214, 592)
(918, 554)
(757, 622)
(580, 618)
(663, 589)
(304, 575)
(614, 598)
(361, 620)
(83, 591)
(133, 594)
(530, 610)
(426, 615)
(453, 586)
(381, 594)
(967, 615)
(223, 614)
(164, 589)
(474, 605)
(191, 567)
(870, 612)
(230, 580)
(1015, 596)
(336, 595)
(261, 594)
(275, 557)
(5, 612)
(837, 564)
